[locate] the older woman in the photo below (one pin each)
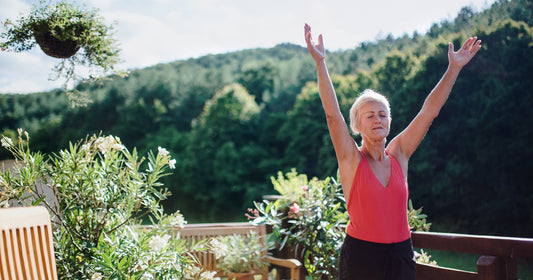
(374, 175)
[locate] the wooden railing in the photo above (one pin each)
(498, 259)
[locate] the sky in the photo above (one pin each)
(150, 32)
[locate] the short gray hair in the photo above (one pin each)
(367, 96)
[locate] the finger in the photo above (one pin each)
(308, 40)
(450, 47)
(472, 42)
(307, 34)
(320, 40)
(476, 47)
(466, 43)
(469, 43)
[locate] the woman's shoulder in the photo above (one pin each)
(395, 151)
(348, 166)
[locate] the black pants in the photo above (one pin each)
(363, 260)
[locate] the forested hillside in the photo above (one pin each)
(233, 120)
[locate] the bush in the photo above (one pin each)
(97, 196)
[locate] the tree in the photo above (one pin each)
(259, 80)
(397, 68)
(217, 160)
(470, 170)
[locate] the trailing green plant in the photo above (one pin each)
(98, 193)
(313, 222)
(67, 26)
(238, 253)
(417, 220)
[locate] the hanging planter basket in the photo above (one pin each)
(61, 28)
(54, 47)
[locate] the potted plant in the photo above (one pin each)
(75, 34)
(239, 255)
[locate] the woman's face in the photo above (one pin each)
(374, 121)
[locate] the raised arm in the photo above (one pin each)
(344, 144)
(404, 145)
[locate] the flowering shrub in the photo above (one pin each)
(311, 216)
(238, 253)
(312, 223)
(97, 194)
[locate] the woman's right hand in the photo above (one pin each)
(317, 50)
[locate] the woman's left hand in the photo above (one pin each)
(461, 57)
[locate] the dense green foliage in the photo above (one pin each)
(233, 120)
(97, 193)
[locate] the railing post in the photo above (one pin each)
(490, 268)
(511, 267)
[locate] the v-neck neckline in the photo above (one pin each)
(374, 174)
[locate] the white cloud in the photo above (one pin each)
(26, 72)
(144, 40)
(102, 4)
(12, 8)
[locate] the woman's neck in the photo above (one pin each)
(374, 149)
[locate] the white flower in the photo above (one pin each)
(172, 164)
(158, 243)
(108, 143)
(97, 276)
(178, 220)
(86, 147)
(147, 276)
(208, 275)
(101, 144)
(162, 151)
(6, 142)
(118, 146)
(218, 248)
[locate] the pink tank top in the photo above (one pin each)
(378, 213)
